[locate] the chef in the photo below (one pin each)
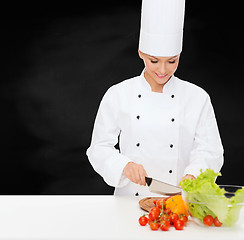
(166, 127)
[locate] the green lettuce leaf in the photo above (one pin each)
(205, 197)
(236, 203)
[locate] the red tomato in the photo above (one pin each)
(183, 218)
(179, 225)
(154, 226)
(155, 209)
(143, 220)
(154, 213)
(153, 216)
(217, 223)
(167, 211)
(165, 217)
(173, 218)
(159, 203)
(165, 225)
(155, 202)
(208, 220)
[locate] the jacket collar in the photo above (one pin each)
(167, 89)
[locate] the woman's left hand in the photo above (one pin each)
(187, 176)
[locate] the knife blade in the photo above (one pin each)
(163, 188)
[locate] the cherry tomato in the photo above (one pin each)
(173, 218)
(153, 216)
(165, 217)
(167, 211)
(208, 220)
(154, 226)
(183, 218)
(165, 225)
(179, 225)
(155, 202)
(155, 209)
(154, 213)
(159, 203)
(217, 223)
(143, 220)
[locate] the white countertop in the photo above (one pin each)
(91, 217)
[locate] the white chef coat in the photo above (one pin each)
(171, 133)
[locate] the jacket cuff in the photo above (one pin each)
(194, 169)
(113, 173)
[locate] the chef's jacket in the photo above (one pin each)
(171, 133)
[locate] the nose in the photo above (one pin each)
(162, 69)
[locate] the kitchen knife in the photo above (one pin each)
(163, 188)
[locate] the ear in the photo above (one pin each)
(140, 54)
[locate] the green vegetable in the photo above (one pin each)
(234, 210)
(204, 197)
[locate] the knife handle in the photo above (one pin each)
(148, 181)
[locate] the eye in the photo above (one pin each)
(171, 62)
(154, 61)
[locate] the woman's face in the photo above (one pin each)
(158, 70)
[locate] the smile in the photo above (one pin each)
(161, 76)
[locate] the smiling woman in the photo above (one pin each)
(159, 69)
(58, 63)
(166, 127)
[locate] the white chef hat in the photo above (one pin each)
(162, 27)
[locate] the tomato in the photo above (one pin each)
(167, 211)
(152, 216)
(155, 202)
(183, 218)
(154, 226)
(155, 209)
(159, 203)
(165, 225)
(217, 223)
(143, 220)
(165, 217)
(208, 220)
(173, 218)
(179, 225)
(154, 213)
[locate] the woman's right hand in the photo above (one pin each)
(135, 173)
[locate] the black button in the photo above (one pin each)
(138, 117)
(172, 95)
(172, 119)
(138, 144)
(139, 95)
(137, 194)
(170, 171)
(171, 145)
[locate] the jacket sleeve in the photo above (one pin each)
(207, 150)
(103, 156)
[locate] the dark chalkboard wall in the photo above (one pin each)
(59, 61)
